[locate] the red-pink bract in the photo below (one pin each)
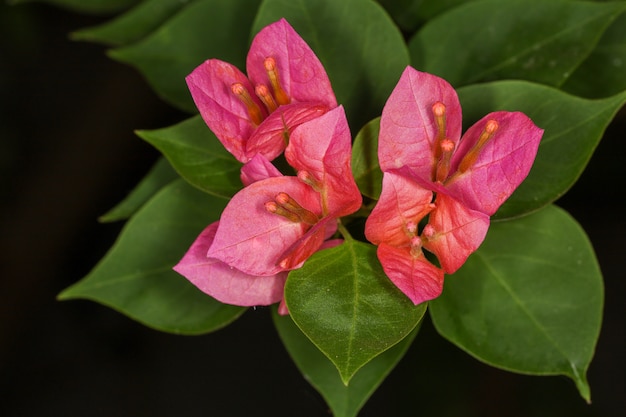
(300, 74)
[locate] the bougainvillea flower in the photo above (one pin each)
(275, 223)
(451, 184)
(286, 86)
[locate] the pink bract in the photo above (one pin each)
(277, 222)
(280, 61)
(422, 153)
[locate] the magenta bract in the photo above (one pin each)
(450, 183)
(285, 87)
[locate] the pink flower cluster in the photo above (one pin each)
(439, 189)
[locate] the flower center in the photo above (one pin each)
(444, 148)
(284, 205)
(271, 99)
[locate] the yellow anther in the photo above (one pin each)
(254, 111)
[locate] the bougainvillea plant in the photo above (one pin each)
(354, 164)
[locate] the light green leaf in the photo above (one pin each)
(198, 156)
(365, 167)
(136, 278)
(344, 401)
(159, 175)
(573, 127)
(342, 301)
(205, 29)
(529, 300)
(357, 42)
(133, 25)
(535, 40)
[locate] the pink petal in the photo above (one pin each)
(224, 113)
(257, 169)
(250, 238)
(307, 245)
(502, 164)
(458, 232)
(401, 201)
(301, 73)
(226, 284)
(417, 278)
(407, 125)
(322, 148)
(271, 136)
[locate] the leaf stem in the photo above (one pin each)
(344, 232)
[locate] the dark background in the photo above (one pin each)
(68, 153)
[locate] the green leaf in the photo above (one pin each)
(136, 278)
(83, 6)
(344, 401)
(603, 72)
(535, 40)
(159, 175)
(573, 127)
(344, 303)
(360, 46)
(365, 166)
(205, 29)
(133, 25)
(529, 300)
(410, 14)
(198, 156)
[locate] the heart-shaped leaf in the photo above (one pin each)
(359, 45)
(573, 127)
(205, 29)
(136, 278)
(344, 401)
(535, 40)
(197, 155)
(159, 176)
(529, 300)
(342, 300)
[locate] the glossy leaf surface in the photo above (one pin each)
(197, 155)
(541, 41)
(573, 127)
(342, 300)
(136, 278)
(359, 45)
(365, 169)
(344, 401)
(205, 29)
(529, 300)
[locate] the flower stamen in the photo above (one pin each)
(263, 93)
(272, 73)
(284, 205)
(470, 158)
(254, 111)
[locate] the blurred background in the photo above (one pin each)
(68, 154)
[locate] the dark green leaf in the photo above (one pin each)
(205, 29)
(132, 25)
(358, 43)
(342, 300)
(160, 175)
(198, 156)
(365, 167)
(535, 40)
(90, 6)
(573, 127)
(604, 72)
(410, 14)
(344, 401)
(529, 300)
(136, 277)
